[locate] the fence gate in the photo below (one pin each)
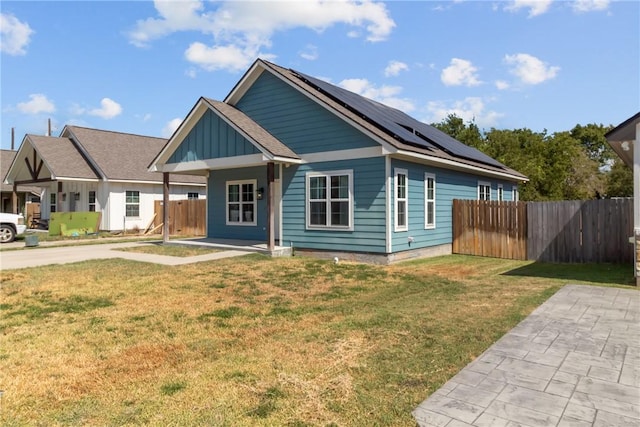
(491, 229)
(186, 217)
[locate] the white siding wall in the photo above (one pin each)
(110, 199)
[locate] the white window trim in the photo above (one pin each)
(328, 175)
(53, 202)
(242, 222)
(125, 204)
(500, 193)
(95, 200)
(515, 193)
(193, 193)
(428, 176)
(396, 172)
(484, 184)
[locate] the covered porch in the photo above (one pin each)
(243, 164)
(256, 246)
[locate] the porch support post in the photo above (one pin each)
(165, 207)
(60, 203)
(271, 239)
(14, 199)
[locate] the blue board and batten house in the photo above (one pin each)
(294, 160)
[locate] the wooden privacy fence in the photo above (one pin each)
(186, 217)
(491, 229)
(566, 231)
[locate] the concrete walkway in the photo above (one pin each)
(575, 361)
(35, 257)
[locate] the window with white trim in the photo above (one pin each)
(92, 201)
(53, 202)
(429, 200)
(241, 202)
(192, 196)
(402, 199)
(500, 193)
(515, 194)
(132, 204)
(484, 190)
(330, 200)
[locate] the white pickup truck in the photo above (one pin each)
(10, 226)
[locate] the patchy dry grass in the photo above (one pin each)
(254, 340)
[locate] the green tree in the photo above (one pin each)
(592, 139)
(619, 180)
(468, 133)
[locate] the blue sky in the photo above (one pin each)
(139, 66)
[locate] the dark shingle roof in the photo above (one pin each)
(6, 158)
(61, 157)
(123, 156)
(258, 134)
(433, 145)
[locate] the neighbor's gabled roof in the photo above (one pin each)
(81, 153)
(6, 159)
(387, 125)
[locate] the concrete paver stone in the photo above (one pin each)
(575, 361)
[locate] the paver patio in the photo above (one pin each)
(575, 361)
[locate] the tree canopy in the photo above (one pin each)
(569, 165)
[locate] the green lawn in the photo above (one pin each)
(255, 341)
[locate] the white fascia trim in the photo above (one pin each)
(450, 164)
(183, 130)
(280, 159)
(352, 154)
(252, 76)
(210, 164)
(64, 178)
(245, 83)
(126, 181)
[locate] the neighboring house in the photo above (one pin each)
(347, 174)
(23, 193)
(96, 170)
(623, 139)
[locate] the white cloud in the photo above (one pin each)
(240, 29)
(468, 109)
(394, 68)
(14, 35)
(171, 127)
(536, 7)
(108, 109)
(529, 69)
(502, 85)
(581, 6)
(38, 103)
(384, 94)
(310, 52)
(460, 73)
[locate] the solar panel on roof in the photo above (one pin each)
(399, 124)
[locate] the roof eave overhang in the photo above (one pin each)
(202, 167)
(454, 165)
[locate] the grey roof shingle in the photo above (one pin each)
(61, 157)
(123, 156)
(6, 158)
(256, 132)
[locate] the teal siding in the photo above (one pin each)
(449, 185)
(298, 122)
(212, 138)
(216, 205)
(368, 234)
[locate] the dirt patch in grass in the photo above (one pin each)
(250, 341)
